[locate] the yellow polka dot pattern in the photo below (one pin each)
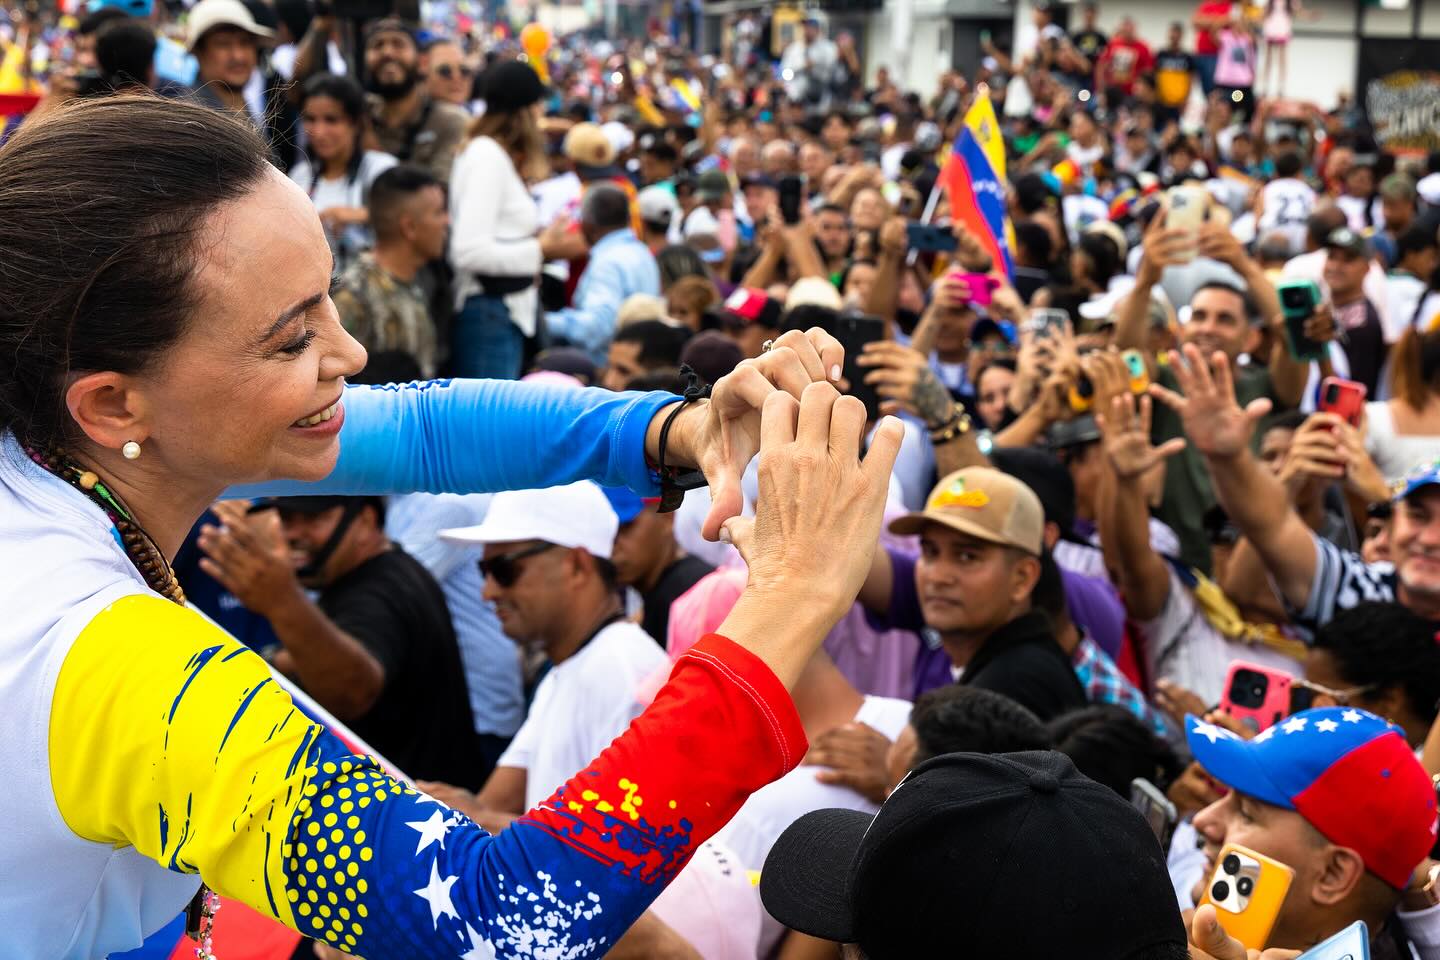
(322, 863)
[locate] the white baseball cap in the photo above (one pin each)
(657, 205)
(575, 515)
(209, 14)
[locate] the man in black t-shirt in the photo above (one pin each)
(647, 558)
(982, 534)
(377, 649)
(1347, 261)
(1088, 40)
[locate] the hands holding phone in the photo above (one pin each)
(1209, 941)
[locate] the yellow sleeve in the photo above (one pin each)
(169, 735)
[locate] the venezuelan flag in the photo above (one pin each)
(977, 198)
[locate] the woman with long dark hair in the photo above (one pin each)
(1405, 430)
(337, 170)
(171, 339)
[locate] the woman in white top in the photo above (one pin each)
(494, 247)
(1405, 430)
(337, 170)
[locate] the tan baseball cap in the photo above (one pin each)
(586, 143)
(984, 503)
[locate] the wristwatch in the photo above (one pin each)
(1426, 896)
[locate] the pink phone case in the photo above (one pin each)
(1264, 694)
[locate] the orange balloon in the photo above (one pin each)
(534, 40)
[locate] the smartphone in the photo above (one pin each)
(928, 238)
(1352, 943)
(854, 330)
(1344, 398)
(1047, 322)
(1247, 889)
(792, 196)
(1139, 371)
(1256, 693)
(1298, 301)
(981, 286)
(1157, 810)
(1186, 208)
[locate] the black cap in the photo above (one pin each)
(307, 505)
(1013, 855)
(509, 86)
(570, 360)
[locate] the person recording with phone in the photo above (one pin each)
(1225, 319)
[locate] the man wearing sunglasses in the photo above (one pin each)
(547, 570)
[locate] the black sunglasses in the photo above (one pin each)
(446, 71)
(505, 569)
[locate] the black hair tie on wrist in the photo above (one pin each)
(674, 482)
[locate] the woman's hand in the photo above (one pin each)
(336, 219)
(722, 436)
(812, 540)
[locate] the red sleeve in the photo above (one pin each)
(722, 727)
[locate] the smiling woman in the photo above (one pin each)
(166, 334)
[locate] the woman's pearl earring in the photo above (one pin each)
(131, 450)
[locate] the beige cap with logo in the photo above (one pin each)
(985, 503)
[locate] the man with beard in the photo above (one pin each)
(376, 648)
(407, 122)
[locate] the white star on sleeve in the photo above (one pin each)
(432, 830)
(423, 797)
(1351, 716)
(437, 894)
(1264, 735)
(1327, 725)
(1294, 725)
(480, 948)
(1211, 732)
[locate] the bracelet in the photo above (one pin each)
(956, 411)
(674, 482)
(957, 428)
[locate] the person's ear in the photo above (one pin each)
(1253, 335)
(1341, 872)
(109, 408)
(1024, 576)
(1052, 534)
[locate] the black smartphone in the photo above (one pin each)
(928, 238)
(854, 330)
(792, 195)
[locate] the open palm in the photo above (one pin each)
(1215, 424)
(1126, 435)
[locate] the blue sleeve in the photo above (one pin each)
(481, 436)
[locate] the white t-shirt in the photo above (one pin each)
(771, 809)
(580, 706)
(1288, 204)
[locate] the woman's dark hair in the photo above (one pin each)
(1104, 256)
(351, 98)
(101, 204)
(125, 51)
(1386, 646)
(677, 261)
(1112, 746)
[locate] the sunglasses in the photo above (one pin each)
(1304, 692)
(447, 72)
(505, 569)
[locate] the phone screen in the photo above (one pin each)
(792, 190)
(854, 331)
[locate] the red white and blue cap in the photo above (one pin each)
(1421, 475)
(1346, 771)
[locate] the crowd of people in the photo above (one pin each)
(1163, 530)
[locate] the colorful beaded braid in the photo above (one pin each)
(159, 576)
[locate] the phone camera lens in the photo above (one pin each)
(1257, 690)
(1220, 892)
(1244, 886)
(1231, 864)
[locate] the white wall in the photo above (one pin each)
(925, 57)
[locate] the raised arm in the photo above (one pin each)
(1163, 247)
(272, 810)
(1251, 496)
(469, 436)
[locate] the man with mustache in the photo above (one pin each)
(406, 120)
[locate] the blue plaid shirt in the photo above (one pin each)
(1104, 683)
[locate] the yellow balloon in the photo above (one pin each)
(534, 40)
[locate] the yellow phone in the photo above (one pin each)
(1247, 890)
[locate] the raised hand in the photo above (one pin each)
(1214, 422)
(903, 379)
(1126, 437)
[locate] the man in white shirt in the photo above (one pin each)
(547, 569)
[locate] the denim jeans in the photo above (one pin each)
(485, 343)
